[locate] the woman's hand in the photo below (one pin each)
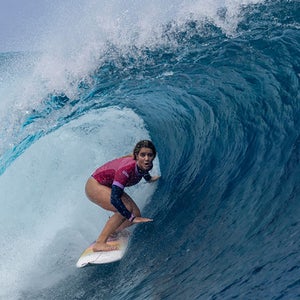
(141, 220)
(154, 178)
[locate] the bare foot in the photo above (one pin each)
(103, 247)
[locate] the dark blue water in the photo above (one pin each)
(224, 112)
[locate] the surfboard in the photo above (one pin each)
(89, 257)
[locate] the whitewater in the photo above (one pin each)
(215, 86)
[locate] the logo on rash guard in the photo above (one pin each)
(125, 173)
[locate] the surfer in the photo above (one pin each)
(106, 188)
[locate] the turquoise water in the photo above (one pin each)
(216, 87)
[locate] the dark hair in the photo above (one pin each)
(143, 144)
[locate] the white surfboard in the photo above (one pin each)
(89, 257)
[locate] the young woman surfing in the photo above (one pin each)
(106, 188)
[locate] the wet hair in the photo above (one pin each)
(143, 144)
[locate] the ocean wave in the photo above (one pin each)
(216, 87)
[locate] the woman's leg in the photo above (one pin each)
(100, 195)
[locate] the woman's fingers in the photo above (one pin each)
(141, 220)
(154, 178)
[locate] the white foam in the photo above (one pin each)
(46, 219)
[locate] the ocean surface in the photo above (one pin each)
(215, 85)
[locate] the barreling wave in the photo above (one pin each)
(217, 90)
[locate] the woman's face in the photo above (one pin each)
(144, 159)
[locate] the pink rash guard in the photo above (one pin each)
(121, 172)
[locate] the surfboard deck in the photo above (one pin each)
(89, 257)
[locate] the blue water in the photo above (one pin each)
(217, 90)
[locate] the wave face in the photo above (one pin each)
(216, 87)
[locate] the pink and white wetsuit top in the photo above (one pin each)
(121, 172)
